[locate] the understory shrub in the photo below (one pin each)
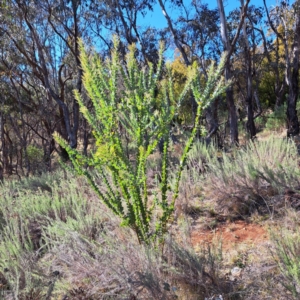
(27, 215)
(277, 119)
(272, 120)
(126, 103)
(286, 254)
(244, 178)
(65, 243)
(35, 157)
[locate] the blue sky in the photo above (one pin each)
(232, 4)
(158, 19)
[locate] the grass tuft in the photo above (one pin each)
(244, 180)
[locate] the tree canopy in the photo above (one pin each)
(40, 67)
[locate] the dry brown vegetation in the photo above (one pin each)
(234, 235)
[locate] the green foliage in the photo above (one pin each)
(179, 74)
(277, 119)
(34, 153)
(199, 158)
(35, 156)
(28, 215)
(244, 176)
(287, 248)
(124, 100)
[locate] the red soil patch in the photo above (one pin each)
(231, 234)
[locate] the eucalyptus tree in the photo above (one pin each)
(13, 105)
(194, 41)
(229, 46)
(255, 72)
(247, 61)
(45, 34)
(25, 113)
(274, 64)
(202, 43)
(288, 33)
(124, 18)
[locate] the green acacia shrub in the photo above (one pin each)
(35, 157)
(125, 100)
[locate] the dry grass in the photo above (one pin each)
(61, 242)
(57, 241)
(246, 179)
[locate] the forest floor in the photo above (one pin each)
(232, 234)
(248, 258)
(235, 234)
(250, 242)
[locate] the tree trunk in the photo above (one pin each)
(228, 76)
(233, 123)
(280, 85)
(2, 146)
(292, 118)
(250, 115)
(174, 34)
(212, 120)
(291, 68)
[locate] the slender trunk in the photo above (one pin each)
(62, 130)
(250, 116)
(24, 142)
(48, 144)
(291, 67)
(212, 120)
(48, 148)
(8, 153)
(233, 122)
(2, 146)
(21, 134)
(229, 47)
(280, 85)
(74, 131)
(174, 34)
(70, 128)
(257, 101)
(292, 118)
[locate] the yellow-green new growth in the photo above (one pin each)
(125, 107)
